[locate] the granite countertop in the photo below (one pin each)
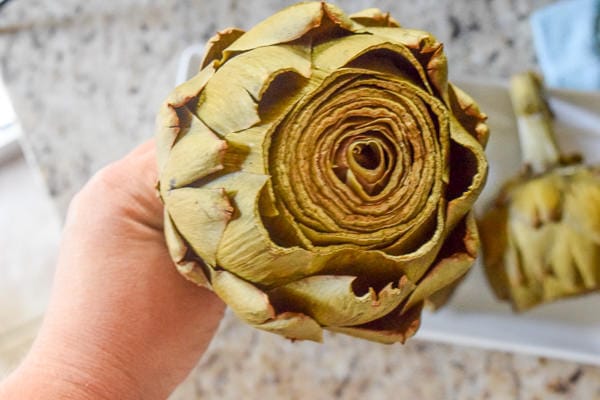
(86, 79)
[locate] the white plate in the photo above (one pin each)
(568, 329)
(9, 126)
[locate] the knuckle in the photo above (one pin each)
(107, 180)
(102, 186)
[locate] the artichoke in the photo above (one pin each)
(541, 237)
(319, 172)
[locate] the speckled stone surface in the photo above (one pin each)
(246, 363)
(87, 78)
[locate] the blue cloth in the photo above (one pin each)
(566, 38)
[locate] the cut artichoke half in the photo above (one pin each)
(541, 236)
(319, 173)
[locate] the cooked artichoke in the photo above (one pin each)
(319, 172)
(541, 237)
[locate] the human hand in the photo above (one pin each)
(121, 323)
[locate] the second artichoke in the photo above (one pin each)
(541, 237)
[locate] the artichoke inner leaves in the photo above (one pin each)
(369, 160)
(366, 160)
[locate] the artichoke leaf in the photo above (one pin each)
(414, 39)
(344, 259)
(246, 248)
(289, 24)
(525, 297)
(190, 89)
(249, 143)
(395, 327)
(415, 263)
(246, 300)
(468, 172)
(196, 155)
(252, 159)
(200, 215)
(582, 204)
(178, 251)
(454, 260)
(537, 267)
(168, 123)
(438, 299)
(371, 17)
(586, 257)
(538, 202)
(229, 102)
(348, 261)
(218, 43)
(295, 326)
(581, 231)
(516, 274)
(569, 266)
(540, 275)
(468, 113)
(253, 306)
(336, 53)
(332, 299)
(581, 219)
(437, 71)
(553, 288)
(339, 18)
(426, 49)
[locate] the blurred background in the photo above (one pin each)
(81, 83)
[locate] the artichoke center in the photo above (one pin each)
(368, 155)
(364, 164)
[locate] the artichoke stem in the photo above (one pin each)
(534, 120)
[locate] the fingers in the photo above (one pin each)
(126, 188)
(144, 149)
(141, 163)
